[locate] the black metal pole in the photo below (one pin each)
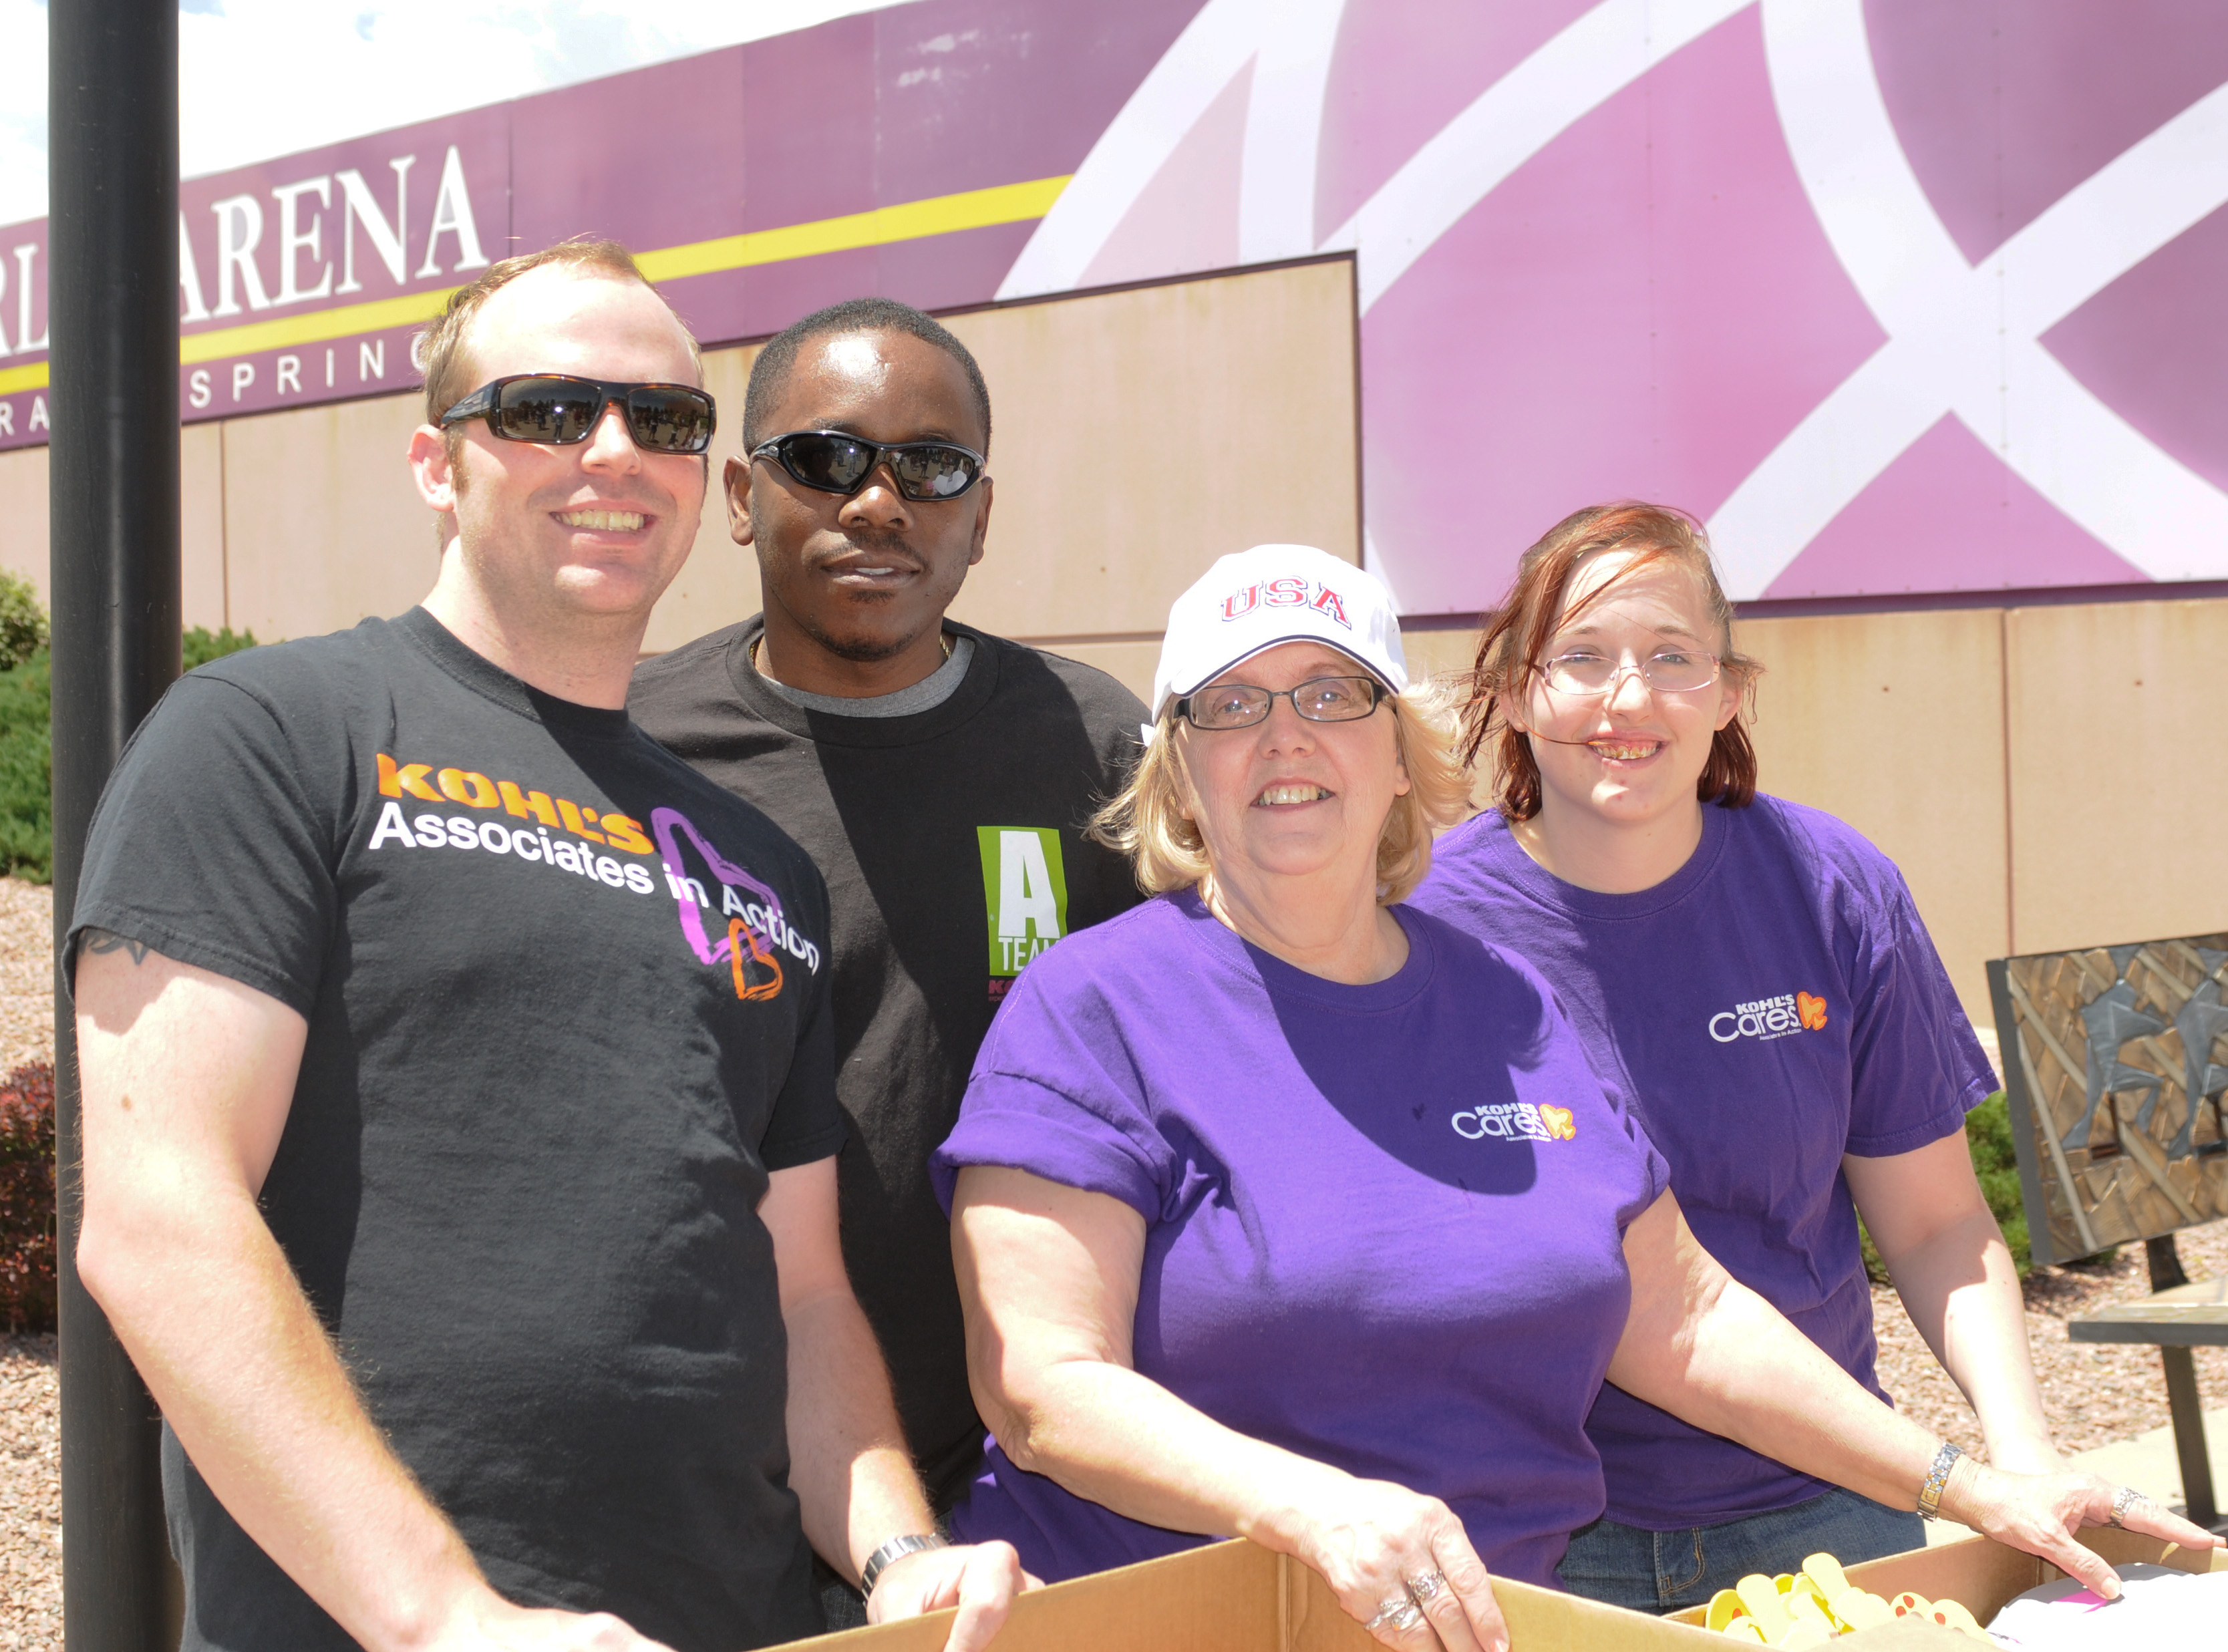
(113, 148)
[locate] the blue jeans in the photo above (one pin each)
(1668, 1572)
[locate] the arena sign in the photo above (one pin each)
(1900, 295)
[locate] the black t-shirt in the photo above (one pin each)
(952, 844)
(537, 1109)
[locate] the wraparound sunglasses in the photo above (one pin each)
(832, 462)
(560, 410)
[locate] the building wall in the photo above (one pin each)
(2030, 769)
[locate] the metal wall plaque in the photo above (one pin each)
(2114, 1062)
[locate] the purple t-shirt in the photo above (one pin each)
(1383, 1222)
(1772, 1005)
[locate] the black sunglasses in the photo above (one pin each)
(834, 462)
(560, 410)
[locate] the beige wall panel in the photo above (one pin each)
(718, 584)
(24, 521)
(1438, 653)
(1894, 722)
(2118, 799)
(1129, 663)
(1139, 435)
(323, 524)
(200, 526)
(23, 516)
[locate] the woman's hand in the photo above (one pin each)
(2040, 1514)
(1401, 1564)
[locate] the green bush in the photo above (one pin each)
(27, 770)
(22, 621)
(202, 644)
(27, 767)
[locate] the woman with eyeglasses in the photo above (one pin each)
(1285, 1210)
(1752, 979)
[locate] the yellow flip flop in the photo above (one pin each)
(1761, 1598)
(1724, 1606)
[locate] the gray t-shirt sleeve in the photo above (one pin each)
(207, 846)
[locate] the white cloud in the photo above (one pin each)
(263, 77)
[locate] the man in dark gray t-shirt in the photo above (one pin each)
(941, 778)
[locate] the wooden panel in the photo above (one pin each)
(23, 515)
(718, 584)
(1139, 435)
(323, 524)
(2117, 799)
(1438, 653)
(1894, 723)
(201, 527)
(1130, 662)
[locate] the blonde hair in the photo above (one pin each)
(1147, 821)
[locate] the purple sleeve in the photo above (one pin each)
(1916, 1067)
(1058, 1091)
(1020, 1124)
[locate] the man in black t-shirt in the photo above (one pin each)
(941, 778)
(458, 1098)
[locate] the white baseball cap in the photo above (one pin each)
(1252, 600)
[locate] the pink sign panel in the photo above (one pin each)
(1898, 296)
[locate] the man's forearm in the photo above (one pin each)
(202, 1299)
(849, 1461)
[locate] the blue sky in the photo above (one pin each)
(260, 78)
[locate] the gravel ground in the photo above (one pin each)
(30, 1497)
(2095, 1395)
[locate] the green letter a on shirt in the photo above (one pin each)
(1025, 887)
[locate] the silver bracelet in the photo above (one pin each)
(896, 1549)
(1937, 1478)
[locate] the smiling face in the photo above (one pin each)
(593, 530)
(866, 576)
(1286, 796)
(1632, 756)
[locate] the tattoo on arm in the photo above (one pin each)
(101, 940)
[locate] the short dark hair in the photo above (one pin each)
(770, 372)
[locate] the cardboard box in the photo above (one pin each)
(1236, 1597)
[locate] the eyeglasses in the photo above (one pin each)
(834, 462)
(560, 410)
(1319, 700)
(1670, 670)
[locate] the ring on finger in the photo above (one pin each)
(1399, 1615)
(2123, 1500)
(1427, 1588)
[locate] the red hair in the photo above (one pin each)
(1528, 616)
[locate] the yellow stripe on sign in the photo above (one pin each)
(944, 215)
(349, 319)
(1008, 203)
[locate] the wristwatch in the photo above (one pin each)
(1937, 1478)
(896, 1548)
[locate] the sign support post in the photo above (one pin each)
(112, 149)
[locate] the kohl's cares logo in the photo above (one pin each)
(1778, 1017)
(1287, 592)
(1516, 1121)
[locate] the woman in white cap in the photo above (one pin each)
(1285, 1211)
(1753, 978)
